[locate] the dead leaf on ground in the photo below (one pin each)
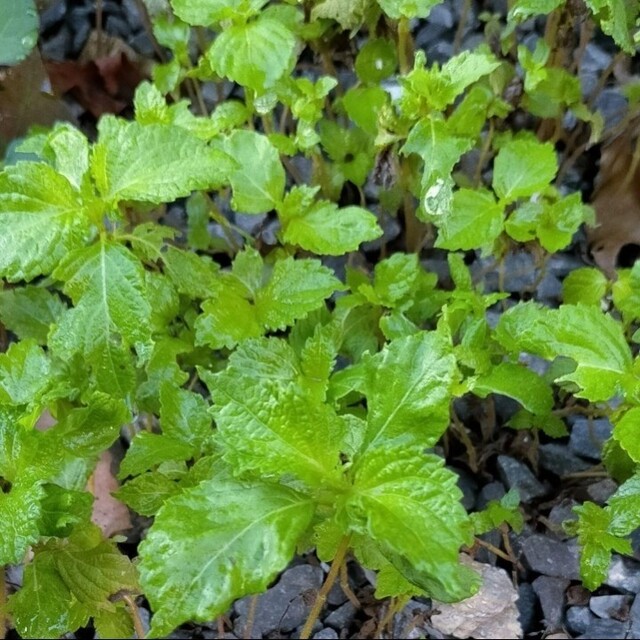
(615, 241)
(27, 99)
(491, 613)
(111, 515)
(104, 78)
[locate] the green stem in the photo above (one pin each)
(321, 598)
(405, 46)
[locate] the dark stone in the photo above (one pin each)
(549, 289)
(561, 513)
(52, 15)
(442, 14)
(606, 629)
(336, 596)
(526, 604)
(624, 574)
(550, 592)
(601, 491)
(588, 436)
(141, 43)
(516, 475)
(117, 26)
(283, 607)
(616, 607)
(326, 634)
(634, 616)
(58, 46)
(557, 459)
(492, 491)
(579, 619)
(483, 554)
(342, 617)
(411, 621)
(613, 106)
(550, 557)
(469, 487)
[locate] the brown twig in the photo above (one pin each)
(251, 615)
(135, 615)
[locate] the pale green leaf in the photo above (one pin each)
(475, 220)
(603, 364)
(116, 623)
(30, 311)
(24, 373)
(148, 450)
(586, 285)
(522, 168)
(400, 496)
(616, 18)
(624, 507)
(42, 218)
(348, 13)
(255, 54)
(326, 230)
(146, 493)
(71, 150)
(184, 416)
(408, 388)
(111, 313)
(18, 30)
(19, 516)
(215, 543)
(523, 9)
(174, 162)
(407, 8)
(627, 432)
(259, 180)
(519, 383)
(295, 288)
(274, 430)
(205, 12)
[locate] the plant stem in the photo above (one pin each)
(135, 615)
(321, 598)
(462, 23)
(251, 614)
(405, 46)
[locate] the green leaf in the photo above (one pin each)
(18, 30)
(376, 60)
(63, 509)
(116, 623)
(408, 388)
(363, 106)
(174, 162)
(524, 9)
(627, 432)
(258, 182)
(586, 285)
(274, 430)
(326, 230)
(523, 168)
(475, 220)
(19, 516)
(348, 13)
(603, 365)
(255, 54)
(295, 288)
(399, 497)
(616, 18)
(500, 511)
(407, 8)
(597, 543)
(184, 416)
(215, 543)
(111, 313)
(146, 493)
(395, 281)
(206, 12)
(519, 383)
(30, 311)
(148, 450)
(42, 218)
(624, 507)
(24, 373)
(560, 221)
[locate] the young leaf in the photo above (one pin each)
(24, 373)
(207, 12)
(603, 365)
(519, 383)
(522, 168)
(106, 284)
(19, 516)
(586, 285)
(627, 432)
(624, 507)
(18, 30)
(30, 311)
(42, 218)
(475, 220)
(215, 543)
(407, 8)
(147, 492)
(259, 180)
(399, 495)
(616, 18)
(408, 388)
(327, 230)
(275, 430)
(255, 54)
(174, 162)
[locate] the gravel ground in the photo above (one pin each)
(551, 477)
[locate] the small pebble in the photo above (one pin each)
(588, 436)
(342, 617)
(550, 557)
(550, 592)
(616, 606)
(516, 474)
(557, 459)
(624, 574)
(326, 634)
(579, 619)
(606, 629)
